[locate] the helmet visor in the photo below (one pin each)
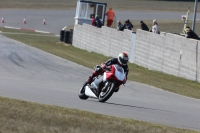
(123, 61)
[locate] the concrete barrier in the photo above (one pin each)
(168, 53)
(105, 40)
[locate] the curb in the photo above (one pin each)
(26, 29)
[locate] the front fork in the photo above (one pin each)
(104, 89)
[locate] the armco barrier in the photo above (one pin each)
(168, 53)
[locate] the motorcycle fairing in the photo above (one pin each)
(116, 71)
(119, 73)
(88, 92)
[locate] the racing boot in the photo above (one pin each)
(97, 71)
(90, 78)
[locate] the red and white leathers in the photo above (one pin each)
(99, 69)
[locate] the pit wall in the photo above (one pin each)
(167, 53)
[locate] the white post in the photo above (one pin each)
(194, 17)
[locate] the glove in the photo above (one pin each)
(97, 68)
(103, 66)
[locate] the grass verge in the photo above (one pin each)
(25, 117)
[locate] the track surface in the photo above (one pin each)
(57, 19)
(33, 75)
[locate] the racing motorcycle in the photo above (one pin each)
(113, 76)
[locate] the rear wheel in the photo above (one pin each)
(81, 93)
(107, 93)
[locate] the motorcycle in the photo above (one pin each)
(113, 76)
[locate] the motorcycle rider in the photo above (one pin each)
(122, 60)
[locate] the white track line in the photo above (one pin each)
(28, 34)
(12, 27)
(64, 28)
(42, 31)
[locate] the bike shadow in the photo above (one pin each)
(131, 106)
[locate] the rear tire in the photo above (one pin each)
(104, 96)
(81, 93)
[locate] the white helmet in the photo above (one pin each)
(123, 58)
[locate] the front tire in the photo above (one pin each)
(104, 96)
(81, 93)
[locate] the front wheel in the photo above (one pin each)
(105, 95)
(81, 93)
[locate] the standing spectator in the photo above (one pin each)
(190, 33)
(120, 26)
(110, 17)
(93, 20)
(128, 25)
(144, 26)
(98, 22)
(155, 27)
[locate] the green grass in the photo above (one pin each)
(25, 117)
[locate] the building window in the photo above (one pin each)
(91, 10)
(83, 10)
(100, 11)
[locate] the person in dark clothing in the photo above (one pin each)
(122, 60)
(190, 33)
(144, 26)
(98, 22)
(120, 26)
(128, 25)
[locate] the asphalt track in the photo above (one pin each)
(57, 19)
(30, 74)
